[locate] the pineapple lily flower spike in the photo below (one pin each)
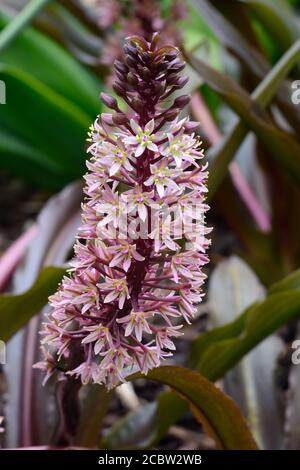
(139, 253)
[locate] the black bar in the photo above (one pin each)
(143, 459)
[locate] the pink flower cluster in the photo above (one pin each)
(121, 306)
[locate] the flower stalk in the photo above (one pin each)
(140, 250)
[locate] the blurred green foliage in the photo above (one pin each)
(51, 100)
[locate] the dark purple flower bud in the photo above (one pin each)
(120, 119)
(139, 42)
(171, 114)
(132, 79)
(172, 54)
(119, 89)
(130, 49)
(130, 61)
(167, 52)
(177, 65)
(120, 75)
(159, 87)
(172, 79)
(145, 57)
(144, 73)
(154, 41)
(160, 67)
(182, 81)
(120, 66)
(109, 101)
(137, 104)
(181, 101)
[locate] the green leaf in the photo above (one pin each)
(24, 160)
(46, 121)
(60, 71)
(94, 408)
(278, 19)
(49, 108)
(20, 22)
(251, 59)
(290, 282)
(230, 36)
(218, 414)
(197, 35)
(281, 145)
(16, 310)
(259, 68)
(222, 348)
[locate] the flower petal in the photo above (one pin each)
(134, 126)
(139, 150)
(150, 126)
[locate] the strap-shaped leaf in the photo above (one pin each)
(218, 413)
(278, 18)
(16, 310)
(48, 109)
(94, 407)
(222, 348)
(28, 162)
(46, 121)
(271, 84)
(282, 146)
(60, 71)
(20, 22)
